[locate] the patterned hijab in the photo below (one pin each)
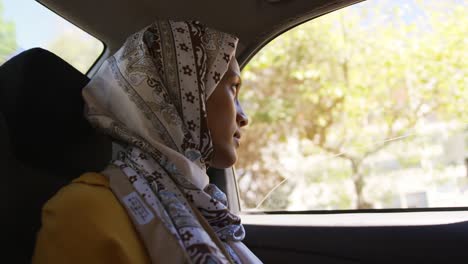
(151, 96)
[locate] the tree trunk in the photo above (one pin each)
(358, 182)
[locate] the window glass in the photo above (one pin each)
(26, 24)
(365, 107)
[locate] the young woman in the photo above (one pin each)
(169, 98)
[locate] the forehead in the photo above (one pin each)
(234, 69)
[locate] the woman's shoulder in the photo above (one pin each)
(87, 200)
(85, 211)
(89, 192)
(82, 217)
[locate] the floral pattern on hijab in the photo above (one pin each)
(151, 96)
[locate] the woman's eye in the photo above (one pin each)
(234, 89)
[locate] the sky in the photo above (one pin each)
(35, 24)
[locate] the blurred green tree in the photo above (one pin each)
(353, 82)
(77, 49)
(8, 43)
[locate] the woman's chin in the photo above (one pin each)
(223, 159)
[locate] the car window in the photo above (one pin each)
(363, 108)
(26, 24)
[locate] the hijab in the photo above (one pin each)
(151, 97)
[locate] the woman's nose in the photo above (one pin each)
(241, 118)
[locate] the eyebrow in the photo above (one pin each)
(237, 78)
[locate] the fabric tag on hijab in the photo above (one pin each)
(140, 211)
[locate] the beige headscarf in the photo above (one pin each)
(151, 96)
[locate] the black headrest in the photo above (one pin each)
(40, 98)
(4, 138)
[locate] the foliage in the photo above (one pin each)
(76, 49)
(7, 37)
(352, 83)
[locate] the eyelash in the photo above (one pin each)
(235, 87)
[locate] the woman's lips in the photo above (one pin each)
(237, 141)
(237, 138)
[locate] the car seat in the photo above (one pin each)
(45, 142)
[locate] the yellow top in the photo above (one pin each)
(85, 223)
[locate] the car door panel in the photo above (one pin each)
(444, 243)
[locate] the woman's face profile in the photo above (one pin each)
(226, 118)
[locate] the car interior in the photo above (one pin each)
(45, 142)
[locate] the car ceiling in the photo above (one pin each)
(253, 21)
